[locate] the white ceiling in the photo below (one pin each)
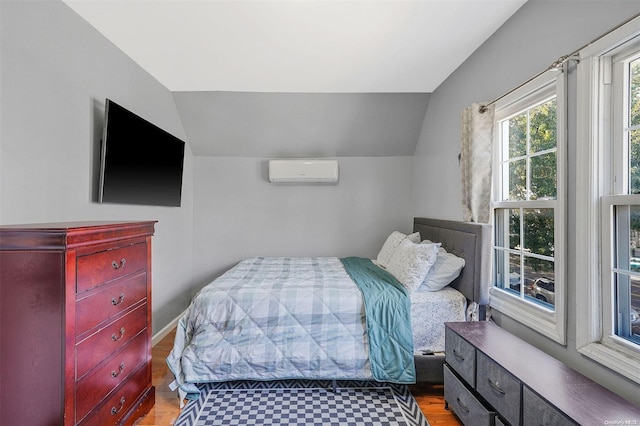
(313, 46)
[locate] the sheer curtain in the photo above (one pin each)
(476, 161)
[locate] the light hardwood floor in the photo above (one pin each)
(166, 410)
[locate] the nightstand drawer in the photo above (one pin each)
(500, 388)
(461, 356)
(110, 301)
(538, 412)
(463, 403)
(99, 268)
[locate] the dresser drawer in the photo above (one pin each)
(99, 268)
(111, 300)
(91, 389)
(95, 348)
(499, 388)
(463, 403)
(461, 356)
(538, 412)
(120, 401)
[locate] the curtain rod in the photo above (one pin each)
(558, 64)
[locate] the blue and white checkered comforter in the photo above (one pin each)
(271, 319)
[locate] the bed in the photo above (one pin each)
(330, 318)
(472, 242)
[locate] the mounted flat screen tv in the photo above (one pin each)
(140, 162)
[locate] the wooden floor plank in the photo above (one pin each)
(430, 398)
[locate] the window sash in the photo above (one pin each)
(597, 103)
(551, 323)
(615, 253)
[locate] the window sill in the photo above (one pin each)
(546, 322)
(619, 359)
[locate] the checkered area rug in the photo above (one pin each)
(302, 402)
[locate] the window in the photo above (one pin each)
(622, 212)
(528, 206)
(622, 276)
(608, 208)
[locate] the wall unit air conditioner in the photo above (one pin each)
(303, 171)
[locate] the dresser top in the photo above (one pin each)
(573, 393)
(65, 235)
(73, 225)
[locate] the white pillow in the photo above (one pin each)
(443, 272)
(411, 262)
(390, 245)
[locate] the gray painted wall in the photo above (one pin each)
(238, 213)
(539, 33)
(56, 71)
(241, 124)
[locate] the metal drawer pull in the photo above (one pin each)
(115, 374)
(115, 410)
(118, 301)
(120, 265)
(464, 407)
(457, 355)
(115, 337)
(496, 386)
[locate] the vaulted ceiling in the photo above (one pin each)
(325, 49)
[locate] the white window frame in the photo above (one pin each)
(550, 323)
(595, 199)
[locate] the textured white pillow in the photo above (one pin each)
(411, 262)
(443, 272)
(390, 245)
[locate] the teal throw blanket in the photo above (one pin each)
(388, 316)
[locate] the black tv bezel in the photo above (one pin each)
(166, 138)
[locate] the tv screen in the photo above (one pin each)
(140, 162)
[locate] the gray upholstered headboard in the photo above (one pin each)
(472, 242)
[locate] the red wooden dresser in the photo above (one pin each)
(75, 323)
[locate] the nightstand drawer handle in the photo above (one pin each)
(115, 337)
(496, 386)
(115, 374)
(120, 265)
(458, 355)
(117, 301)
(460, 403)
(115, 410)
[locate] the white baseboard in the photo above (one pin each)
(166, 330)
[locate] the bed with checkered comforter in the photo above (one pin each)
(296, 318)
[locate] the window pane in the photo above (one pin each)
(627, 324)
(634, 317)
(514, 229)
(626, 284)
(538, 231)
(543, 127)
(634, 238)
(634, 95)
(634, 161)
(515, 280)
(518, 180)
(539, 280)
(507, 270)
(634, 120)
(518, 136)
(543, 176)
